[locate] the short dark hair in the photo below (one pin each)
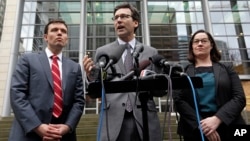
(214, 53)
(135, 13)
(46, 28)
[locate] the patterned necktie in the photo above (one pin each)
(57, 108)
(128, 63)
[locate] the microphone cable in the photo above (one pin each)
(169, 99)
(103, 105)
(196, 107)
(137, 92)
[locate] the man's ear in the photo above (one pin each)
(136, 23)
(45, 37)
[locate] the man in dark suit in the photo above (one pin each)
(34, 88)
(120, 123)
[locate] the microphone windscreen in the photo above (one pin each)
(111, 52)
(157, 59)
(144, 64)
(178, 67)
(115, 53)
(138, 50)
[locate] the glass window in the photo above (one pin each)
(219, 29)
(245, 28)
(219, 5)
(99, 18)
(244, 17)
(189, 17)
(217, 17)
(38, 13)
(94, 43)
(101, 30)
(242, 5)
(230, 29)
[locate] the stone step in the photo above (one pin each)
(87, 127)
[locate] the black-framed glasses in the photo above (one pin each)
(122, 16)
(203, 41)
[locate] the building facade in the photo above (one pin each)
(166, 25)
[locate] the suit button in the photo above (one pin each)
(123, 104)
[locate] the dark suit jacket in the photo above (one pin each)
(32, 96)
(116, 103)
(230, 99)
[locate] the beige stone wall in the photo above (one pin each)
(5, 46)
(246, 87)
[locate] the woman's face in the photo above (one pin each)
(201, 45)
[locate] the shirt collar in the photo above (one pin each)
(131, 42)
(49, 54)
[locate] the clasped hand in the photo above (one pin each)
(209, 126)
(52, 132)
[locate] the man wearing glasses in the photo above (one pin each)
(120, 122)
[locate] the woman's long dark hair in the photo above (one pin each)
(214, 53)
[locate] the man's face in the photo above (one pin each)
(57, 36)
(124, 24)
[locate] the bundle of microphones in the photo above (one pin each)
(106, 58)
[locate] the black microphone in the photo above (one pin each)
(146, 72)
(177, 70)
(159, 61)
(142, 65)
(113, 54)
(102, 60)
(95, 73)
(152, 76)
(138, 50)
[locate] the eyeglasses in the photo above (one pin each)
(122, 16)
(203, 41)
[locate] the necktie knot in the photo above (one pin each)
(128, 62)
(54, 57)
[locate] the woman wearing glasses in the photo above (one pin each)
(221, 99)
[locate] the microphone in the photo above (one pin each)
(113, 54)
(138, 50)
(142, 65)
(152, 76)
(106, 56)
(146, 73)
(95, 72)
(159, 61)
(177, 70)
(102, 60)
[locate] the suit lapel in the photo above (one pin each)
(191, 70)
(216, 70)
(65, 71)
(47, 70)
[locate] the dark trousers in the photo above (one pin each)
(129, 130)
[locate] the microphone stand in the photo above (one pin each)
(143, 97)
(136, 67)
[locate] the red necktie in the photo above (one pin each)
(57, 109)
